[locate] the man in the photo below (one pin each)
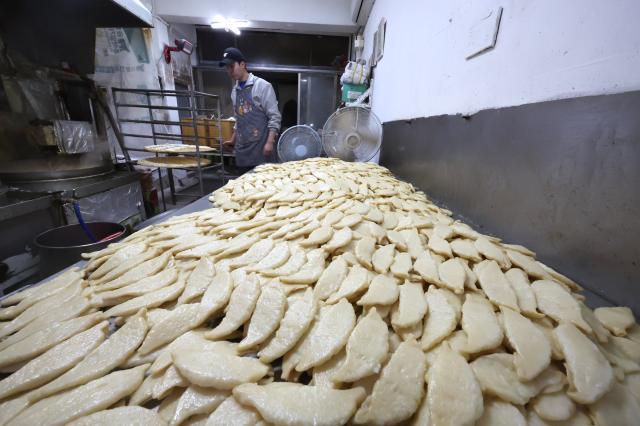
(255, 108)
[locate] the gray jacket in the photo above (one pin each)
(264, 97)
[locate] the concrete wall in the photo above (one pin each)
(560, 177)
(546, 50)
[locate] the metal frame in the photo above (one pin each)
(194, 110)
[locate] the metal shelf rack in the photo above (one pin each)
(166, 111)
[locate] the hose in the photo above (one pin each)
(83, 225)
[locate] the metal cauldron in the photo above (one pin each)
(62, 246)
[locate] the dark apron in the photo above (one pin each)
(251, 130)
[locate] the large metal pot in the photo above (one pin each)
(62, 246)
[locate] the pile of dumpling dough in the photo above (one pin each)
(315, 292)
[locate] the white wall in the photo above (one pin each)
(546, 50)
(299, 15)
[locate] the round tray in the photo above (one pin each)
(170, 148)
(174, 162)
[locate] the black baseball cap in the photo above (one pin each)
(231, 55)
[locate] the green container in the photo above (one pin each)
(351, 92)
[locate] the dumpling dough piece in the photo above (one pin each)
(383, 290)
(497, 376)
(427, 267)
(285, 403)
(349, 221)
(383, 258)
(331, 278)
(412, 306)
(616, 319)
(556, 302)
(332, 217)
(600, 332)
(495, 284)
(293, 264)
(441, 320)
(322, 374)
(198, 280)
(366, 349)
(370, 229)
(120, 256)
(171, 379)
(528, 264)
(390, 220)
(42, 307)
(274, 259)
(255, 254)
(96, 395)
(138, 416)
(149, 300)
(295, 323)
(45, 339)
(241, 304)
(414, 243)
(231, 412)
(500, 413)
(480, 323)
(616, 407)
(328, 335)
(73, 308)
(310, 272)
(590, 374)
(492, 251)
(218, 370)
(110, 354)
(340, 238)
(401, 265)
(145, 285)
(532, 348)
(365, 248)
(237, 245)
(555, 406)
(266, 316)
(48, 290)
(318, 236)
(399, 390)
(180, 320)
(453, 394)
(197, 400)
(439, 245)
(151, 267)
(191, 340)
(396, 238)
(187, 317)
(452, 275)
(127, 266)
(466, 249)
(355, 283)
(525, 295)
(54, 362)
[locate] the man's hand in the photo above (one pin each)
(228, 145)
(268, 149)
(268, 146)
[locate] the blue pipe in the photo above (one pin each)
(85, 228)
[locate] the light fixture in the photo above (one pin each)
(229, 24)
